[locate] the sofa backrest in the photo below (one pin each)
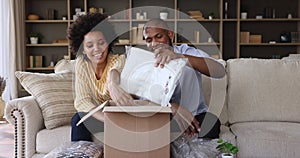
(214, 91)
(263, 90)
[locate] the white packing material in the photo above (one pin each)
(141, 78)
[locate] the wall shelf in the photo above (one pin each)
(48, 45)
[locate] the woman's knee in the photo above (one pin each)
(76, 119)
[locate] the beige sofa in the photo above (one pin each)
(259, 100)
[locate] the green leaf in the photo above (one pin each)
(234, 150)
(219, 140)
(220, 147)
(226, 147)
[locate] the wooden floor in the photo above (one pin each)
(6, 140)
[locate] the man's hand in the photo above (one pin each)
(118, 95)
(164, 54)
(185, 120)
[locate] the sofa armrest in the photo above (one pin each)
(26, 116)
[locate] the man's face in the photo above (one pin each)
(156, 37)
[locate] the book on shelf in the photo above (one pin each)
(137, 35)
(197, 36)
(140, 37)
(133, 35)
(35, 61)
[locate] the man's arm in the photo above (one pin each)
(185, 120)
(206, 66)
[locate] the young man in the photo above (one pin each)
(188, 104)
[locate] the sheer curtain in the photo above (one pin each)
(11, 44)
(4, 34)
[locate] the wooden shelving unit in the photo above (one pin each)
(270, 27)
(225, 32)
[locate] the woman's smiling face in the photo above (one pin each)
(95, 47)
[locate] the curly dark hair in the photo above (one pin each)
(87, 23)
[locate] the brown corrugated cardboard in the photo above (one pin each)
(137, 131)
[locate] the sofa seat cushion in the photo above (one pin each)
(227, 135)
(47, 140)
(261, 139)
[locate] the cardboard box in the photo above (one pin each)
(141, 131)
(244, 37)
(255, 38)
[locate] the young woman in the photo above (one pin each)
(91, 37)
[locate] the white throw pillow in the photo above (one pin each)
(141, 78)
(54, 94)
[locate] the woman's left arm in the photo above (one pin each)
(117, 94)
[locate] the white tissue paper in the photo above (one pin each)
(141, 78)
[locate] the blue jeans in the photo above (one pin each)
(86, 129)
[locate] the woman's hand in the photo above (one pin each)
(185, 120)
(118, 95)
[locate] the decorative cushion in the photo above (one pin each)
(54, 94)
(64, 65)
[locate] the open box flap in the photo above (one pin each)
(138, 109)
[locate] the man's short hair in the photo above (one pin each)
(156, 23)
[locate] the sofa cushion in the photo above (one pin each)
(64, 65)
(47, 140)
(263, 90)
(214, 91)
(54, 94)
(227, 135)
(261, 139)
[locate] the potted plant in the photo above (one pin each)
(35, 37)
(211, 15)
(227, 149)
(244, 12)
